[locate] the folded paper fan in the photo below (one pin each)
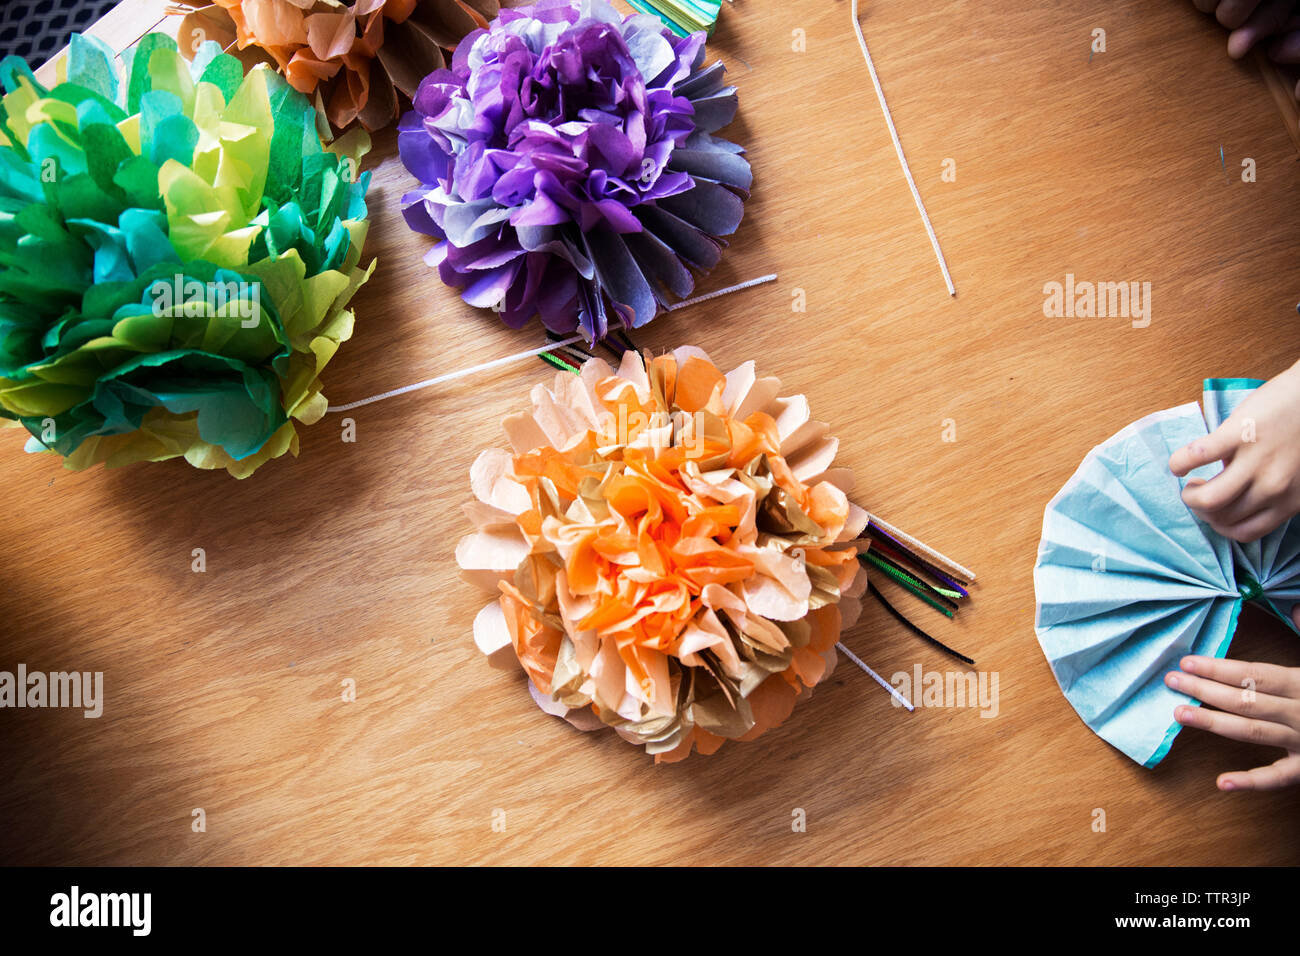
(568, 167)
(682, 16)
(352, 56)
(672, 554)
(1129, 580)
(177, 252)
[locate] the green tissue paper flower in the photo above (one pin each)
(177, 251)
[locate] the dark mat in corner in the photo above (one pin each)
(37, 29)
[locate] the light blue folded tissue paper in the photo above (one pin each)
(1129, 580)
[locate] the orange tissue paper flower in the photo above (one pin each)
(350, 56)
(670, 550)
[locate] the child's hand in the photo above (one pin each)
(1257, 703)
(1253, 20)
(1259, 444)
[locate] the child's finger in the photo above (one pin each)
(1265, 21)
(1286, 48)
(1280, 773)
(1252, 528)
(1233, 727)
(1252, 675)
(1213, 447)
(1245, 701)
(1224, 498)
(1233, 13)
(1221, 491)
(1247, 506)
(1243, 508)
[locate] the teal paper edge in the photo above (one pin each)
(1230, 384)
(643, 6)
(669, 22)
(1277, 612)
(1163, 750)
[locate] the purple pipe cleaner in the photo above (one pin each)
(567, 160)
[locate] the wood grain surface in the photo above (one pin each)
(224, 689)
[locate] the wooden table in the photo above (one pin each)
(224, 689)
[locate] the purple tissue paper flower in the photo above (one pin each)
(567, 160)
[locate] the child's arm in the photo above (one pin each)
(1259, 445)
(1257, 703)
